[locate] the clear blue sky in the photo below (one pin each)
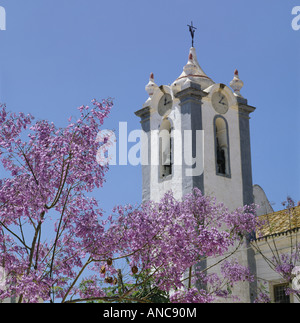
(59, 54)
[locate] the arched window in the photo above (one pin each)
(165, 149)
(221, 146)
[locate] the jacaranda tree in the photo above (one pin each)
(56, 245)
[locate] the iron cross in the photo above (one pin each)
(192, 31)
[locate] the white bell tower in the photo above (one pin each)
(196, 134)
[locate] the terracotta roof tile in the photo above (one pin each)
(280, 222)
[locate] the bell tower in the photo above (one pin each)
(195, 133)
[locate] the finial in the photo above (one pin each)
(192, 31)
(236, 84)
(151, 86)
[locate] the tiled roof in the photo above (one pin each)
(279, 223)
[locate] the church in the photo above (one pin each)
(196, 133)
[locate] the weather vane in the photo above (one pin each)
(192, 31)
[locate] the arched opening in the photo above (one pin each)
(222, 146)
(165, 149)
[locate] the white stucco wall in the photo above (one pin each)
(268, 248)
(158, 186)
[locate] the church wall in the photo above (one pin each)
(265, 274)
(225, 189)
(159, 186)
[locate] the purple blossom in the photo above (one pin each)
(56, 245)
